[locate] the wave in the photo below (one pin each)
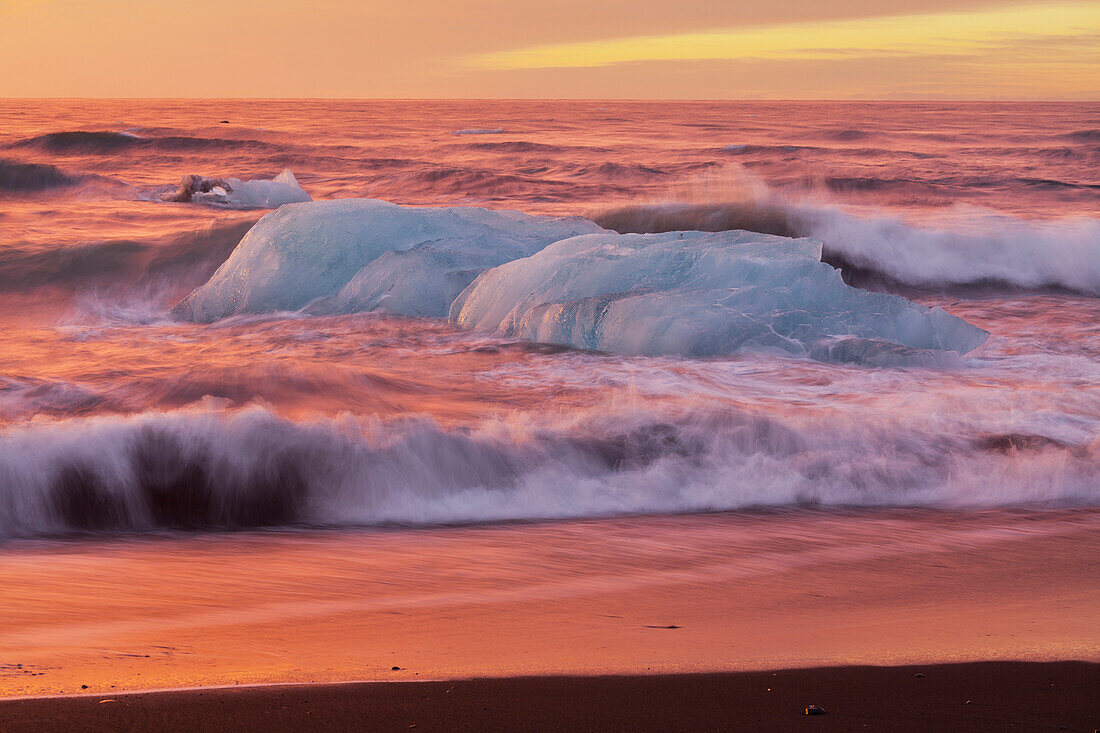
(864, 184)
(1084, 136)
(465, 182)
(27, 177)
(1052, 183)
(749, 149)
(82, 142)
(621, 172)
(968, 249)
(789, 149)
(901, 155)
(766, 217)
(516, 146)
(129, 267)
(844, 134)
(25, 397)
(202, 469)
(1057, 153)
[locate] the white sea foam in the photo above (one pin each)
(966, 246)
(947, 249)
(202, 468)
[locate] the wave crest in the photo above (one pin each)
(81, 141)
(765, 217)
(124, 267)
(105, 142)
(28, 177)
(1084, 136)
(967, 249)
(205, 469)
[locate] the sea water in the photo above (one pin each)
(120, 413)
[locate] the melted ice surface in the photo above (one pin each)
(704, 294)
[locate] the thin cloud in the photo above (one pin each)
(905, 35)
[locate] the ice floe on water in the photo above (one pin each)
(371, 255)
(704, 294)
(233, 192)
(569, 282)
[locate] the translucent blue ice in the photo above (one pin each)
(704, 294)
(370, 255)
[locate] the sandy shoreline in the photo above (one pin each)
(957, 697)
(627, 596)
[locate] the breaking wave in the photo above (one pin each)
(125, 266)
(26, 177)
(1084, 136)
(766, 217)
(206, 469)
(968, 248)
(83, 142)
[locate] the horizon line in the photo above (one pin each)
(871, 100)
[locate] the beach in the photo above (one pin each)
(417, 448)
(962, 697)
(639, 595)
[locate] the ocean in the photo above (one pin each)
(118, 418)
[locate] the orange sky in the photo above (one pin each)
(782, 49)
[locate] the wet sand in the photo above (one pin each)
(633, 595)
(961, 697)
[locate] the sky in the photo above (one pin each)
(658, 49)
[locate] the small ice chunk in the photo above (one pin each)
(284, 189)
(234, 192)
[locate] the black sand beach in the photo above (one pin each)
(992, 696)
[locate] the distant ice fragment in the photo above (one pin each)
(259, 194)
(370, 255)
(192, 185)
(704, 294)
(480, 131)
(284, 189)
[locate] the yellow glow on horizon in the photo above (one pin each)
(949, 33)
(697, 49)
